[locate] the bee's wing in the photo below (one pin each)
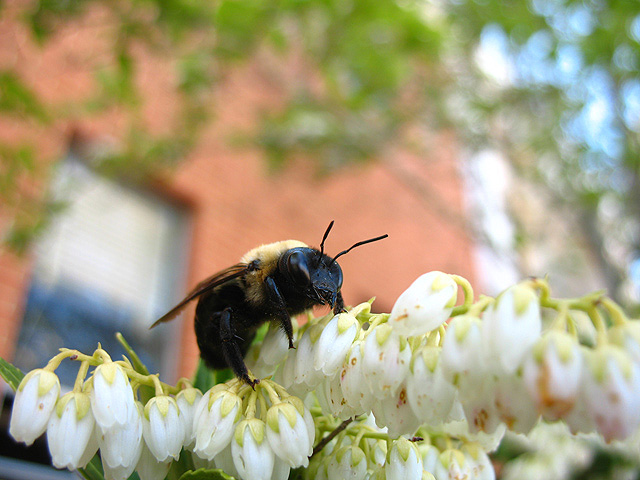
(204, 286)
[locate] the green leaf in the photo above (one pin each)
(11, 374)
(204, 378)
(93, 470)
(206, 474)
(138, 366)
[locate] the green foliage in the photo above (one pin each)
(16, 98)
(11, 374)
(206, 474)
(357, 76)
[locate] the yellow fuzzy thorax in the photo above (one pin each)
(268, 256)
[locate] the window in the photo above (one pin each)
(113, 261)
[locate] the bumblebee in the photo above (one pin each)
(272, 282)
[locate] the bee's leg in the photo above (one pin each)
(339, 305)
(231, 350)
(283, 315)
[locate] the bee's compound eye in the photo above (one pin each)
(298, 268)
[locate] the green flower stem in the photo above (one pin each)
(82, 373)
(150, 381)
(268, 386)
(74, 355)
(250, 409)
(477, 308)
(280, 390)
(157, 384)
(263, 407)
(184, 383)
(377, 319)
(561, 320)
(467, 290)
(617, 315)
(599, 324)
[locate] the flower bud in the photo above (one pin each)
(288, 434)
(335, 342)
(552, 373)
(385, 360)
(348, 462)
(430, 395)
(251, 453)
(121, 445)
(403, 461)
(149, 468)
(425, 305)
(187, 401)
(33, 404)
(510, 327)
(355, 388)
(395, 413)
(112, 398)
(163, 428)
(214, 421)
(611, 386)
(70, 428)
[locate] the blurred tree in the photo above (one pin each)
(552, 85)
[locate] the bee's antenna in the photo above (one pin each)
(324, 237)
(357, 245)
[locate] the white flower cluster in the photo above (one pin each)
(251, 434)
(418, 397)
(491, 368)
(364, 451)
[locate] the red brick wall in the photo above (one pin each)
(236, 205)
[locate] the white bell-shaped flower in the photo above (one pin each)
(149, 467)
(395, 413)
(224, 461)
(453, 464)
(425, 305)
(516, 407)
(112, 398)
(70, 429)
(386, 357)
(403, 461)
(355, 388)
(287, 432)
(430, 457)
(510, 326)
(275, 345)
(281, 469)
(335, 342)
(430, 395)
(34, 402)
(462, 348)
(552, 371)
(477, 458)
(251, 453)
(611, 386)
(121, 445)
(162, 428)
(627, 336)
(214, 421)
(91, 449)
(331, 399)
(347, 462)
(305, 376)
(187, 401)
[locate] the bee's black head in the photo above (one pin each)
(315, 273)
